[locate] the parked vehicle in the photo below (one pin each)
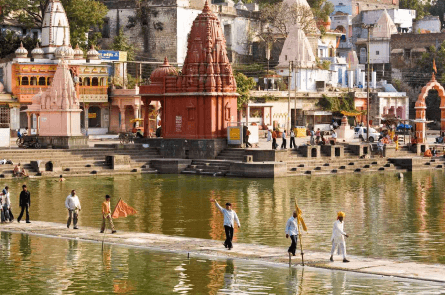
(360, 132)
(28, 142)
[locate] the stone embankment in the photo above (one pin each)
(135, 159)
(274, 256)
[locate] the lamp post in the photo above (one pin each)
(369, 27)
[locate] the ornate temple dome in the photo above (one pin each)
(55, 27)
(37, 52)
(78, 53)
(65, 51)
(206, 66)
(164, 70)
(21, 52)
(92, 53)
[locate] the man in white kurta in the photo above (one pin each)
(338, 237)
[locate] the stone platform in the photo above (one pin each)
(272, 256)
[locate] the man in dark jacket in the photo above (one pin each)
(25, 203)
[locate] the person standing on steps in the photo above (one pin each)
(72, 203)
(283, 143)
(292, 232)
(292, 139)
(25, 203)
(106, 214)
(229, 221)
(338, 237)
(274, 140)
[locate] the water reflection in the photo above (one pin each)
(386, 217)
(52, 266)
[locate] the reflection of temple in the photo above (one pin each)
(26, 74)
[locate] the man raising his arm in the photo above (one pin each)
(229, 218)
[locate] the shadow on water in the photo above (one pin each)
(385, 216)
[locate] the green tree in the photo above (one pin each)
(121, 43)
(420, 6)
(438, 8)
(9, 42)
(243, 87)
(82, 15)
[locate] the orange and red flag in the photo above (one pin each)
(434, 66)
(123, 210)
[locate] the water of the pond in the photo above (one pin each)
(385, 217)
(38, 265)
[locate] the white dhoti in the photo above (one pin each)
(341, 248)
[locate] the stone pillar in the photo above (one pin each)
(85, 109)
(146, 118)
(37, 124)
(420, 115)
(136, 114)
(123, 128)
(351, 79)
(105, 114)
(374, 80)
(29, 123)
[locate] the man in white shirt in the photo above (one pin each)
(292, 139)
(283, 143)
(338, 237)
(229, 221)
(5, 201)
(292, 232)
(72, 203)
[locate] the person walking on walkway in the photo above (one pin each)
(292, 232)
(106, 214)
(25, 203)
(6, 214)
(283, 143)
(274, 140)
(292, 139)
(338, 237)
(72, 203)
(229, 218)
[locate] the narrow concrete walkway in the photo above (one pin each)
(250, 252)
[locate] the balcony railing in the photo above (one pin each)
(93, 90)
(27, 90)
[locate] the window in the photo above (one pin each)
(25, 81)
(50, 80)
(95, 82)
(407, 53)
(4, 116)
(24, 31)
(106, 28)
(285, 57)
(377, 52)
(33, 81)
(1, 75)
(42, 81)
(35, 35)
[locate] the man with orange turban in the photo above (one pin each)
(338, 237)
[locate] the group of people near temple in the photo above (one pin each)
(291, 231)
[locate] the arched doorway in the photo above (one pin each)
(420, 108)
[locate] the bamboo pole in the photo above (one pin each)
(301, 245)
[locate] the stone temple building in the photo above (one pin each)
(199, 103)
(28, 73)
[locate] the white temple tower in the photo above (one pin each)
(55, 29)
